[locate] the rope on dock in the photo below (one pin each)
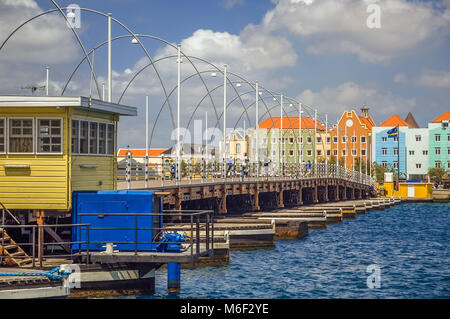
(50, 274)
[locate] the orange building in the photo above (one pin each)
(351, 139)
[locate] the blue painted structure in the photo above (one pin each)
(173, 277)
(390, 145)
(116, 202)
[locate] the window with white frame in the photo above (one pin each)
(353, 139)
(102, 138)
(328, 140)
(411, 152)
(21, 135)
(425, 152)
(2, 135)
(437, 164)
(84, 135)
(396, 139)
(309, 152)
(335, 139)
(335, 153)
(49, 135)
(384, 139)
(291, 140)
(437, 137)
(448, 165)
(344, 153)
(353, 152)
(418, 165)
(93, 138)
(384, 151)
(448, 150)
(319, 140)
(291, 153)
(395, 151)
(363, 152)
(437, 150)
(448, 137)
(319, 153)
(328, 152)
(363, 139)
(384, 164)
(309, 140)
(418, 138)
(274, 140)
(395, 164)
(75, 136)
(344, 139)
(238, 148)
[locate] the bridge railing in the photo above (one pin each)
(199, 170)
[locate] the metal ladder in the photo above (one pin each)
(12, 253)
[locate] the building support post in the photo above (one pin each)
(223, 206)
(300, 196)
(173, 277)
(281, 202)
(326, 193)
(345, 193)
(40, 222)
(256, 203)
(337, 193)
(316, 194)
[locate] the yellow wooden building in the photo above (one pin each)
(53, 145)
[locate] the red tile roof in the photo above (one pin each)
(368, 121)
(290, 122)
(394, 120)
(141, 152)
(443, 117)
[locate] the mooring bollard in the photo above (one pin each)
(173, 277)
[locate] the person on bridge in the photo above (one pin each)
(172, 171)
(230, 167)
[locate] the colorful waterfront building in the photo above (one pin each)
(235, 146)
(439, 141)
(287, 147)
(51, 146)
(417, 152)
(351, 138)
(390, 152)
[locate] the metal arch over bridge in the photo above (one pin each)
(290, 183)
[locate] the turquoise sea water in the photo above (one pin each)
(408, 243)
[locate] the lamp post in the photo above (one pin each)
(109, 60)
(281, 144)
(178, 113)
(326, 144)
(146, 142)
(46, 80)
(256, 129)
(224, 119)
(300, 136)
(315, 142)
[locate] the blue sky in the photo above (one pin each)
(320, 52)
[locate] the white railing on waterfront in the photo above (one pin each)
(213, 172)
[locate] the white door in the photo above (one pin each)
(410, 190)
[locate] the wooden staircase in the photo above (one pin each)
(12, 253)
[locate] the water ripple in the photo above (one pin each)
(408, 242)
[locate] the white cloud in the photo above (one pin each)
(46, 39)
(427, 78)
(350, 95)
(231, 3)
(249, 51)
(340, 26)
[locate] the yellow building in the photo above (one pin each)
(407, 190)
(51, 146)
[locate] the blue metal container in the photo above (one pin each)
(108, 224)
